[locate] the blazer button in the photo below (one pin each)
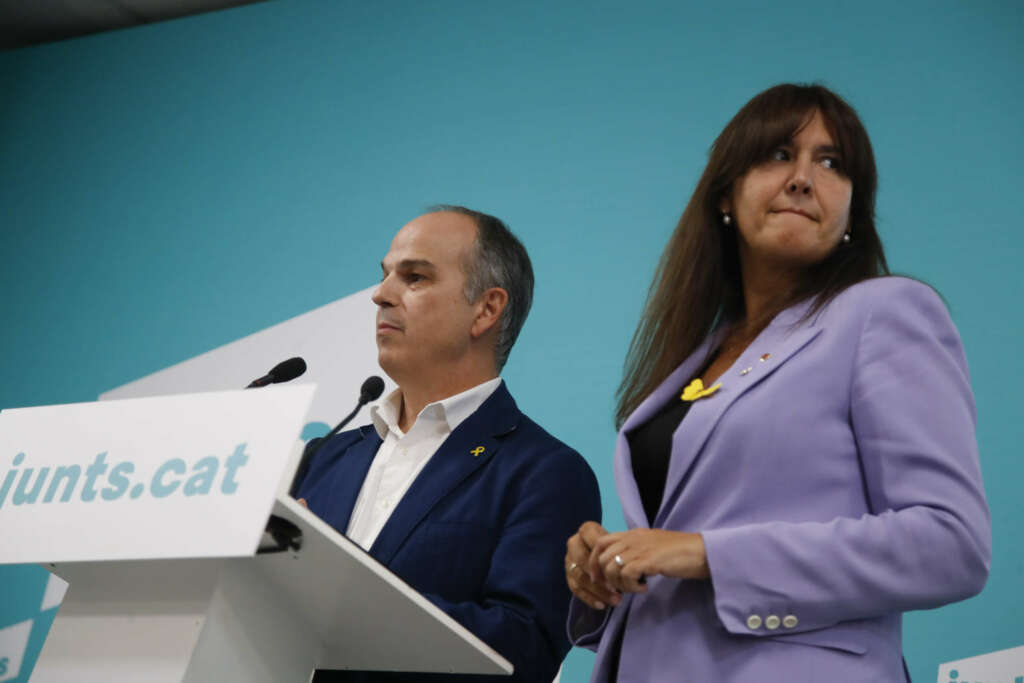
(771, 622)
(753, 622)
(790, 621)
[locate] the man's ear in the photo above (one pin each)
(489, 309)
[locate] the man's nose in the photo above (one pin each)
(382, 295)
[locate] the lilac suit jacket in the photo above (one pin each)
(836, 484)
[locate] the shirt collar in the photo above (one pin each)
(452, 410)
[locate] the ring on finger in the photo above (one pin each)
(572, 565)
(618, 561)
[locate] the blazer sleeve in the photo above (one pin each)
(522, 608)
(586, 625)
(927, 538)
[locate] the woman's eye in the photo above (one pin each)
(833, 163)
(781, 154)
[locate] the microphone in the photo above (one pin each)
(371, 390)
(285, 371)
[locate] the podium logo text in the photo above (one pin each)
(24, 484)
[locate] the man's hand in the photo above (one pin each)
(586, 581)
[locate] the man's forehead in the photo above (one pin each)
(446, 223)
(433, 238)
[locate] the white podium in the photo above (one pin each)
(166, 583)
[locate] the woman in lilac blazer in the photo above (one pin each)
(796, 460)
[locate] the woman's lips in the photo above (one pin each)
(798, 212)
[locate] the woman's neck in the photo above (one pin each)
(766, 291)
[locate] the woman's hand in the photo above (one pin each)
(624, 559)
(589, 587)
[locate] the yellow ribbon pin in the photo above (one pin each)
(695, 390)
(477, 451)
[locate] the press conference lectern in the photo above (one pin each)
(166, 583)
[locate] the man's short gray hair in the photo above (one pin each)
(498, 259)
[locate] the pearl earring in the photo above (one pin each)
(846, 237)
(726, 218)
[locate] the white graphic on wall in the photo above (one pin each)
(13, 641)
(1003, 666)
(337, 341)
(56, 587)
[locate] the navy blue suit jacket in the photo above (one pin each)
(482, 536)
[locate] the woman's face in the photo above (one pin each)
(792, 210)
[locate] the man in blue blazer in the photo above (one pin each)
(451, 487)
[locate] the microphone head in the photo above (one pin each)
(287, 370)
(371, 390)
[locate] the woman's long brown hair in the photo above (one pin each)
(698, 281)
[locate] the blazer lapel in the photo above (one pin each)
(659, 396)
(469, 447)
(356, 463)
(625, 483)
(782, 341)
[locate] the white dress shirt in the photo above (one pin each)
(402, 456)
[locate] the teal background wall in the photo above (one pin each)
(170, 188)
